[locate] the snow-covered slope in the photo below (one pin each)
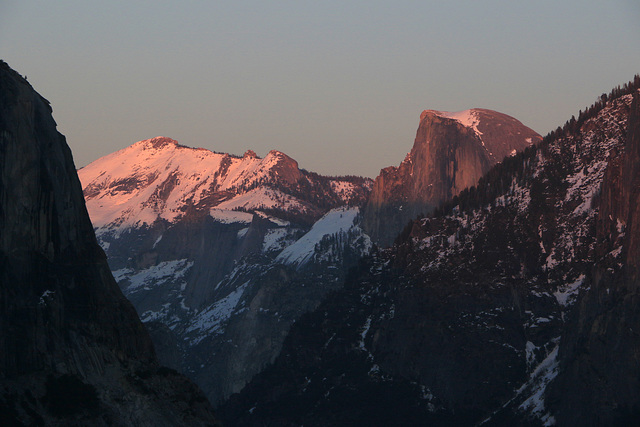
(336, 222)
(206, 244)
(467, 118)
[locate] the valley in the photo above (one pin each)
(483, 281)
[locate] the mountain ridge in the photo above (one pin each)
(159, 179)
(607, 314)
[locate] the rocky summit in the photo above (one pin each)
(72, 349)
(450, 153)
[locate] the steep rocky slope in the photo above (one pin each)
(220, 254)
(72, 349)
(599, 374)
(450, 153)
(467, 319)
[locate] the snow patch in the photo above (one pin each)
(263, 198)
(334, 221)
(363, 334)
(209, 320)
(277, 221)
(275, 239)
(540, 378)
(467, 118)
(46, 297)
(566, 294)
(153, 276)
(345, 190)
(226, 216)
(530, 349)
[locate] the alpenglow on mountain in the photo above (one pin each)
(450, 153)
(219, 253)
(161, 180)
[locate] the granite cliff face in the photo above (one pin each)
(450, 153)
(72, 349)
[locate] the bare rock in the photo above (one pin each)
(450, 153)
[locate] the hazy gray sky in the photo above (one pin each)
(337, 85)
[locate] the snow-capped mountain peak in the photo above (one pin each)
(194, 237)
(160, 179)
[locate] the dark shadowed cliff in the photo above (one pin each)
(72, 349)
(599, 382)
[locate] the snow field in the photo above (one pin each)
(335, 221)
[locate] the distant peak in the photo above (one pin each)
(250, 154)
(279, 155)
(159, 142)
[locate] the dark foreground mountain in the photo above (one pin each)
(490, 311)
(72, 349)
(220, 254)
(599, 375)
(450, 153)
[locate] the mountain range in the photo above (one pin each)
(490, 279)
(220, 254)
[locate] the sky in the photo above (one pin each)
(337, 85)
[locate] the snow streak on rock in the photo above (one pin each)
(210, 320)
(468, 118)
(336, 221)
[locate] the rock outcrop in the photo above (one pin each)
(450, 153)
(72, 349)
